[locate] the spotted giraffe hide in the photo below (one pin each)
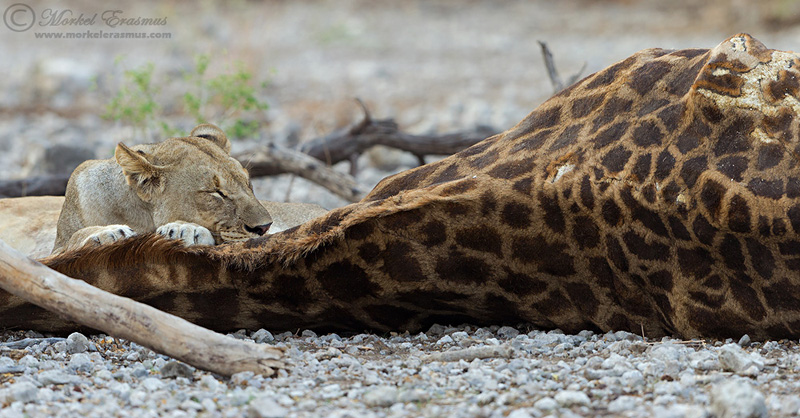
(660, 195)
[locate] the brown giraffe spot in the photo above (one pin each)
(405, 181)
(703, 230)
(553, 304)
(731, 251)
(567, 137)
(712, 114)
(645, 78)
(772, 189)
(460, 187)
(587, 196)
(763, 226)
(692, 169)
(782, 296)
(531, 142)
(610, 135)
(785, 85)
(671, 115)
(647, 134)
(585, 232)
(615, 159)
(488, 203)
(434, 233)
(448, 174)
(695, 262)
(550, 258)
(360, 231)
(794, 217)
(713, 282)
(602, 272)
(609, 75)
(479, 148)
(512, 169)
(291, 290)
(484, 160)
(652, 106)
(793, 187)
(761, 258)
(616, 254)
(611, 212)
(735, 138)
(369, 252)
(455, 209)
(678, 229)
(664, 165)
(585, 105)
(638, 246)
(714, 322)
(649, 193)
(661, 279)
(516, 215)
(460, 268)
(789, 247)
(641, 169)
(614, 107)
(747, 299)
(769, 156)
(400, 262)
(432, 299)
(733, 167)
(689, 53)
(401, 221)
(711, 197)
(521, 284)
(739, 215)
(707, 299)
(778, 227)
(553, 217)
(482, 239)
(649, 218)
(582, 297)
(684, 81)
(524, 186)
(346, 281)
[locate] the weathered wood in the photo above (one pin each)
(121, 317)
(53, 185)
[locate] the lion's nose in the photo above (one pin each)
(258, 229)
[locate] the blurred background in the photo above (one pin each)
(288, 71)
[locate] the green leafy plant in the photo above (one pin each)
(228, 99)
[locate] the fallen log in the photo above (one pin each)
(121, 317)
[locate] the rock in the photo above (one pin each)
(622, 404)
(80, 362)
(23, 392)
(265, 407)
(733, 359)
(262, 336)
(77, 343)
(568, 398)
(308, 334)
(737, 398)
(56, 377)
(381, 396)
(507, 332)
(546, 404)
(175, 369)
(744, 341)
(152, 384)
(520, 413)
(63, 159)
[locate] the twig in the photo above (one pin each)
(552, 72)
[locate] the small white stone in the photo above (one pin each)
(381, 396)
(77, 343)
(546, 404)
(622, 404)
(568, 398)
(23, 392)
(737, 398)
(152, 384)
(265, 407)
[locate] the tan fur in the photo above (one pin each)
(28, 224)
(190, 180)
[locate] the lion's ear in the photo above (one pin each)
(141, 174)
(213, 134)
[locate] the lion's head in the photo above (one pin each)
(194, 179)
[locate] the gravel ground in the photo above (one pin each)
(434, 67)
(447, 371)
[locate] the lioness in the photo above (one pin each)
(184, 188)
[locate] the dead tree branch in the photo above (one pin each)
(552, 72)
(121, 317)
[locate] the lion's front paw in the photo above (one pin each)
(108, 234)
(189, 233)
